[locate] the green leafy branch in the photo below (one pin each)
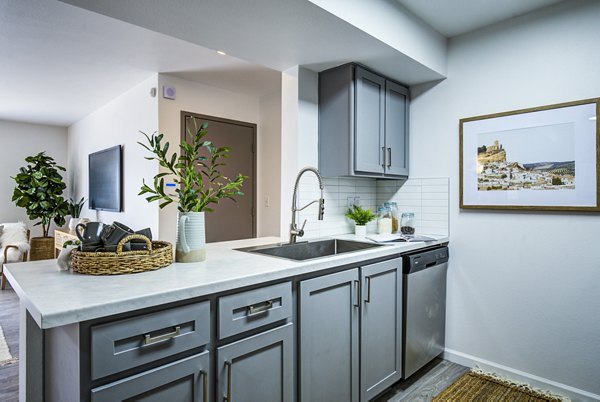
(195, 172)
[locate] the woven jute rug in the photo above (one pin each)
(477, 385)
(5, 356)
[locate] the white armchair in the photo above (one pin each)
(14, 240)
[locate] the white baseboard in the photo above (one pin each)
(576, 395)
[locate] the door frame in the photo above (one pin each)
(185, 114)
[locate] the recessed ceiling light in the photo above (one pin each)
(221, 53)
(593, 118)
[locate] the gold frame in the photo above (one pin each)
(534, 207)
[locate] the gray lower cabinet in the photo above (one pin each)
(257, 368)
(348, 320)
(185, 380)
(363, 124)
(381, 327)
(328, 338)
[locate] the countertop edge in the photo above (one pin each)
(46, 320)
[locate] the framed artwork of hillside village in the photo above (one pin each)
(543, 158)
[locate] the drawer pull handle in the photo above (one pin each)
(148, 339)
(228, 396)
(253, 310)
(204, 375)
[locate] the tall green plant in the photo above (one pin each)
(39, 190)
(198, 181)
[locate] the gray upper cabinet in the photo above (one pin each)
(328, 338)
(363, 124)
(381, 327)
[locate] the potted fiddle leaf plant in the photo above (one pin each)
(361, 217)
(198, 186)
(39, 190)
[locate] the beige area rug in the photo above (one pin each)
(5, 356)
(477, 385)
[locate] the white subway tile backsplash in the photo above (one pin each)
(427, 198)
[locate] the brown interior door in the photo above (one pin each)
(230, 220)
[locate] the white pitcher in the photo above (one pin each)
(191, 238)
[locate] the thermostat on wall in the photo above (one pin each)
(169, 92)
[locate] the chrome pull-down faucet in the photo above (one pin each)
(294, 231)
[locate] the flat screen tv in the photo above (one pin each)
(105, 189)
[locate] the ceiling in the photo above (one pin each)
(456, 17)
(60, 62)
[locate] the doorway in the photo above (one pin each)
(230, 220)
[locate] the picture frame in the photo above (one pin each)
(544, 158)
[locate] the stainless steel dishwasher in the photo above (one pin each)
(424, 311)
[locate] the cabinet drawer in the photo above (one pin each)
(252, 309)
(185, 380)
(128, 343)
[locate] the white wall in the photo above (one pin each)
(20, 140)
(207, 100)
(269, 165)
(118, 123)
(522, 286)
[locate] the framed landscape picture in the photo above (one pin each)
(543, 158)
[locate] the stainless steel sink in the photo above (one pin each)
(309, 250)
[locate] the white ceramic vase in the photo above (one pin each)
(360, 230)
(73, 222)
(191, 238)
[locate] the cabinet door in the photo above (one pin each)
(396, 129)
(381, 327)
(258, 368)
(369, 129)
(185, 380)
(328, 338)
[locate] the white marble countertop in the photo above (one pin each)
(55, 298)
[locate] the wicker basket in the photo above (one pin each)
(158, 255)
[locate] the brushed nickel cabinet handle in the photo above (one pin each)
(389, 160)
(255, 310)
(228, 396)
(356, 293)
(204, 375)
(368, 292)
(149, 339)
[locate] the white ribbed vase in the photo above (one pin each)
(191, 238)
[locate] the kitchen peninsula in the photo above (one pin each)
(179, 329)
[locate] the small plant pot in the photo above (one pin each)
(41, 248)
(360, 230)
(191, 239)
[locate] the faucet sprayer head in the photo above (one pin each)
(321, 208)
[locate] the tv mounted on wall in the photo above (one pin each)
(105, 189)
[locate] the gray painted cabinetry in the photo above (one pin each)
(259, 367)
(335, 363)
(349, 345)
(363, 124)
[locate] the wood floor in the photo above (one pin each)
(9, 319)
(421, 387)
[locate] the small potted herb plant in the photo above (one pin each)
(361, 217)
